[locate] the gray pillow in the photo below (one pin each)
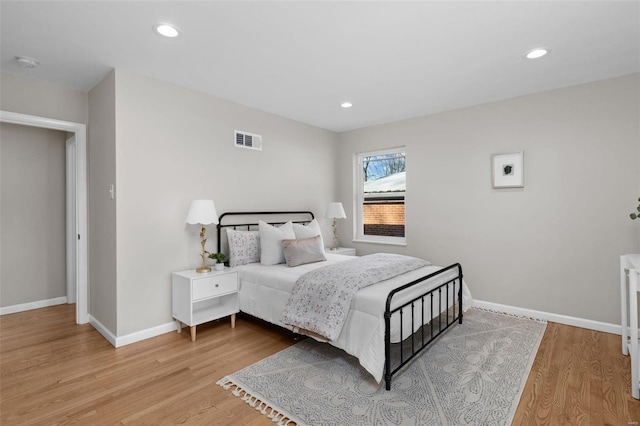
(306, 250)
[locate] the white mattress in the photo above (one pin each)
(264, 291)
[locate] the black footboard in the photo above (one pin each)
(408, 348)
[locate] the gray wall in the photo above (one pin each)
(173, 146)
(552, 246)
(33, 240)
(42, 99)
(102, 210)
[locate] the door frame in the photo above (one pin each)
(71, 231)
(81, 225)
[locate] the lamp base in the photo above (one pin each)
(201, 270)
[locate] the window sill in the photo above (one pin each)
(388, 243)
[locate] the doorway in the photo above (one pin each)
(77, 229)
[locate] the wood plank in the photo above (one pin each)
(594, 359)
(578, 377)
(53, 371)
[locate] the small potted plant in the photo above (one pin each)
(220, 258)
(634, 215)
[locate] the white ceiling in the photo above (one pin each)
(392, 60)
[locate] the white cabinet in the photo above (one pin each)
(201, 297)
(630, 264)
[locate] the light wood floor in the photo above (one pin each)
(53, 371)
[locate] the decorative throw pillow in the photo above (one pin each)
(244, 247)
(302, 251)
(271, 252)
(310, 230)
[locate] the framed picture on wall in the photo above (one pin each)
(508, 170)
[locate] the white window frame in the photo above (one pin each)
(358, 223)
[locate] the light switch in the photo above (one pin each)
(112, 193)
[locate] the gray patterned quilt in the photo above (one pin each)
(321, 298)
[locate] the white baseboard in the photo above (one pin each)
(562, 319)
(127, 339)
(148, 333)
(33, 305)
(106, 333)
(513, 310)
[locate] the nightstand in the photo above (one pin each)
(202, 297)
(345, 251)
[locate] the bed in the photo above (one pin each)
(389, 322)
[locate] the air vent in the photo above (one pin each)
(248, 140)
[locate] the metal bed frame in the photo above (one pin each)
(251, 215)
(391, 369)
(397, 355)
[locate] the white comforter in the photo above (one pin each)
(265, 290)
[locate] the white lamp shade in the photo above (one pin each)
(335, 211)
(202, 212)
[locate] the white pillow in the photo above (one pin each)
(271, 252)
(244, 247)
(310, 230)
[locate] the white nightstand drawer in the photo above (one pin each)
(214, 286)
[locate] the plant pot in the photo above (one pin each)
(219, 266)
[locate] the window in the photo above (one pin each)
(380, 196)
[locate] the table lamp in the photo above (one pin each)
(335, 211)
(202, 212)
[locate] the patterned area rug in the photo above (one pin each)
(473, 374)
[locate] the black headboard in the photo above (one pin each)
(247, 220)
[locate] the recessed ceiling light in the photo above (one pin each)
(346, 105)
(27, 62)
(167, 30)
(537, 53)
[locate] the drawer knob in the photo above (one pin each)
(217, 285)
